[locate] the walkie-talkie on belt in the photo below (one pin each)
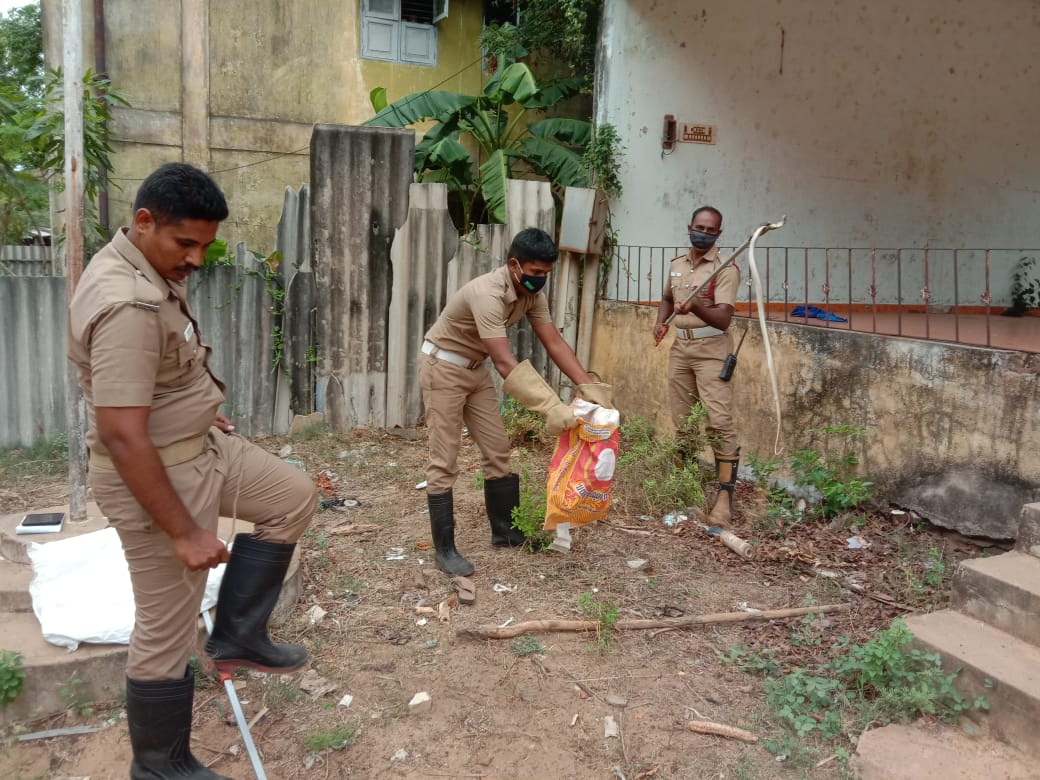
(730, 362)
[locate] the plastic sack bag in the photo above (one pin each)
(581, 473)
(81, 590)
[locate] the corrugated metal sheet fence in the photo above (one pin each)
(25, 260)
(336, 327)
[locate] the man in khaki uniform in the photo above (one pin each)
(457, 388)
(702, 341)
(164, 464)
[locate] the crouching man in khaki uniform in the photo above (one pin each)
(457, 388)
(164, 464)
(702, 341)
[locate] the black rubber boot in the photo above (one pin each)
(442, 526)
(726, 469)
(500, 496)
(158, 715)
(248, 593)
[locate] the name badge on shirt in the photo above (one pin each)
(676, 273)
(189, 331)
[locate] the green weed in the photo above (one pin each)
(12, 676)
(76, 694)
(606, 615)
(338, 737)
(650, 472)
(526, 645)
(878, 682)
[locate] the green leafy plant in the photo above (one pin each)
(832, 475)
(496, 122)
(1025, 288)
(266, 268)
(336, 738)
(566, 30)
(12, 676)
(606, 615)
(529, 514)
(883, 680)
(34, 154)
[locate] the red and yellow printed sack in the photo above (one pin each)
(582, 470)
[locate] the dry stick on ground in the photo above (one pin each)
(545, 626)
(720, 730)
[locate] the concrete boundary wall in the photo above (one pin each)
(953, 430)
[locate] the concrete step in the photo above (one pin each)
(1003, 591)
(994, 664)
(49, 669)
(919, 752)
(1028, 539)
(101, 668)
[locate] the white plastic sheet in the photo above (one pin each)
(81, 590)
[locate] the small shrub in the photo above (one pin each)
(832, 475)
(529, 515)
(648, 474)
(12, 676)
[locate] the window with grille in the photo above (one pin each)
(401, 30)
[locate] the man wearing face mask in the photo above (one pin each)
(702, 341)
(457, 388)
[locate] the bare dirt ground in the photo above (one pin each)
(532, 707)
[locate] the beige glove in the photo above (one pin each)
(598, 393)
(534, 393)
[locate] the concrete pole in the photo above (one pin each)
(589, 282)
(75, 413)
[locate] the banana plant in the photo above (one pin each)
(496, 120)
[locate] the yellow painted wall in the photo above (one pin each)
(275, 67)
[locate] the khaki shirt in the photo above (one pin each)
(135, 343)
(684, 277)
(482, 309)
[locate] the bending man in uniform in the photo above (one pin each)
(702, 341)
(164, 464)
(457, 388)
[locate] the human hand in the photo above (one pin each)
(559, 419)
(223, 423)
(200, 549)
(660, 329)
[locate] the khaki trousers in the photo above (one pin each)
(232, 477)
(454, 396)
(693, 375)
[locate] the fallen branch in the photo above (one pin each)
(546, 626)
(720, 730)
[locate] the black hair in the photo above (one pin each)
(712, 209)
(533, 244)
(177, 191)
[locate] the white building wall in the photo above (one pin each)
(883, 124)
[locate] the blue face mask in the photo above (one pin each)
(530, 283)
(701, 240)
